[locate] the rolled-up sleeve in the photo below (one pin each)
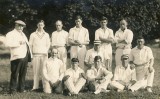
(129, 37)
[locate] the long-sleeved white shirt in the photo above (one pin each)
(39, 44)
(59, 38)
(126, 35)
(53, 70)
(100, 72)
(18, 50)
(123, 74)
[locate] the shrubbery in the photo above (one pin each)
(143, 16)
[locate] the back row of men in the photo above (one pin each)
(92, 68)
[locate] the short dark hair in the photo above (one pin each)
(78, 17)
(74, 60)
(140, 37)
(103, 18)
(97, 58)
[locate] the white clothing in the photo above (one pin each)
(53, 70)
(18, 50)
(82, 35)
(75, 82)
(105, 47)
(123, 48)
(39, 43)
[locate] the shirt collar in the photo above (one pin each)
(144, 47)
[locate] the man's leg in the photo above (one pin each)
(46, 86)
(70, 85)
(81, 57)
(80, 83)
(118, 55)
(63, 55)
(117, 85)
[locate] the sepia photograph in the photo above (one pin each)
(79, 49)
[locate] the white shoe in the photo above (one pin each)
(149, 90)
(119, 90)
(105, 91)
(97, 91)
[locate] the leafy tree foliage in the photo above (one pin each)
(143, 16)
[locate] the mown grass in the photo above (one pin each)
(141, 94)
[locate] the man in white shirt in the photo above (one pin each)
(78, 39)
(105, 35)
(123, 39)
(98, 77)
(75, 78)
(20, 56)
(39, 44)
(124, 75)
(142, 58)
(59, 40)
(95, 51)
(53, 72)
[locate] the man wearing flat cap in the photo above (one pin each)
(95, 51)
(17, 41)
(124, 75)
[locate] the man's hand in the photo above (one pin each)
(65, 78)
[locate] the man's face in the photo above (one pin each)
(140, 43)
(54, 53)
(97, 63)
(41, 25)
(75, 65)
(59, 25)
(125, 62)
(103, 23)
(78, 22)
(123, 25)
(19, 27)
(96, 47)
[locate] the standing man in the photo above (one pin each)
(78, 39)
(40, 44)
(98, 77)
(53, 72)
(59, 41)
(74, 78)
(124, 75)
(142, 58)
(95, 51)
(105, 35)
(123, 39)
(17, 41)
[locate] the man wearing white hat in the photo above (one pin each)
(95, 51)
(40, 44)
(17, 41)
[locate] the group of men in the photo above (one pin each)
(90, 69)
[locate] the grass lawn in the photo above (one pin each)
(141, 94)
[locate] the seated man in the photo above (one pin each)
(124, 75)
(53, 72)
(74, 78)
(142, 58)
(89, 59)
(98, 77)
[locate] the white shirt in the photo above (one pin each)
(59, 38)
(80, 34)
(126, 35)
(74, 74)
(101, 72)
(53, 70)
(39, 43)
(123, 74)
(91, 55)
(13, 39)
(141, 56)
(107, 34)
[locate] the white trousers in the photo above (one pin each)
(107, 51)
(79, 52)
(63, 56)
(119, 53)
(74, 88)
(143, 83)
(37, 63)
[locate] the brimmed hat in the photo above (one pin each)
(20, 22)
(97, 42)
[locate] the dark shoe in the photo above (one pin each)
(12, 92)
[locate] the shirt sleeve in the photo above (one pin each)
(111, 36)
(129, 37)
(45, 71)
(11, 41)
(116, 38)
(133, 75)
(150, 54)
(87, 36)
(97, 35)
(31, 40)
(61, 71)
(108, 74)
(70, 35)
(48, 41)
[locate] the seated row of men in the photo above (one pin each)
(96, 79)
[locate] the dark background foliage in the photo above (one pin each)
(143, 16)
